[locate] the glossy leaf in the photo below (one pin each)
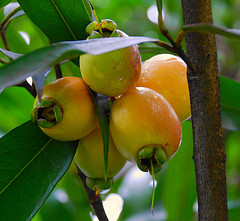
(230, 103)
(179, 193)
(102, 105)
(39, 76)
(211, 28)
(31, 164)
(42, 58)
(4, 2)
(10, 54)
(58, 20)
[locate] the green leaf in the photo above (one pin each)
(230, 103)
(179, 189)
(45, 57)
(15, 106)
(10, 54)
(211, 28)
(58, 20)
(4, 2)
(102, 105)
(31, 164)
(38, 78)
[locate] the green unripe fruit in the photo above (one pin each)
(89, 157)
(112, 73)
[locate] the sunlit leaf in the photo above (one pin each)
(42, 58)
(230, 103)
(31, 164)
(58, 20)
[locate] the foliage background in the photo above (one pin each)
(176, 191)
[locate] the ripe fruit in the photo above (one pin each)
(167, 74)
(89, 157)
(66, 111)
(145, 128)
(112, 73)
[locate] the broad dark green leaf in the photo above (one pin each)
(4, 2)
(230, 103)
(38, 78)
(31, 164)
(211, 28)
(102, 105)
(179, 193)
(43, 58)
(58, 20)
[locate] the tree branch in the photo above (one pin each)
(96, 203)
(204, 86)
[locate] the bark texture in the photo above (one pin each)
(209, 154)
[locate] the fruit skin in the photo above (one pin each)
(79, 117)
(112, 73)
(167, 74)
(141, 118)
(89, 157)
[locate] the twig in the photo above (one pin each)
(58, 71)
(4, 39)
(28, 87)
(3, 61)
(13, 12)
(96, 203)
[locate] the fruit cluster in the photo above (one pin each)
(150, 101)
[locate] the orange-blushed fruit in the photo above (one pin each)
(89, 158)
(167, 74)
(145, 128)
(66, 111)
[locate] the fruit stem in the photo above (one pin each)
(96, 17)
(153, 190)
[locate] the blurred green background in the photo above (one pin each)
(130, 197)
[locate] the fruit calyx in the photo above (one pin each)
(99, 184)
(47, 114)
(152, 154)
(107, 28)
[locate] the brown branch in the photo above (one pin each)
(204, 86)
(58, 71)
(28, 87)
(96, 203)
(4, 39)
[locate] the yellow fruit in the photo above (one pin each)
(113, 73)
(89, 157)
(145, 128)
(66, 111)
(167, 74)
